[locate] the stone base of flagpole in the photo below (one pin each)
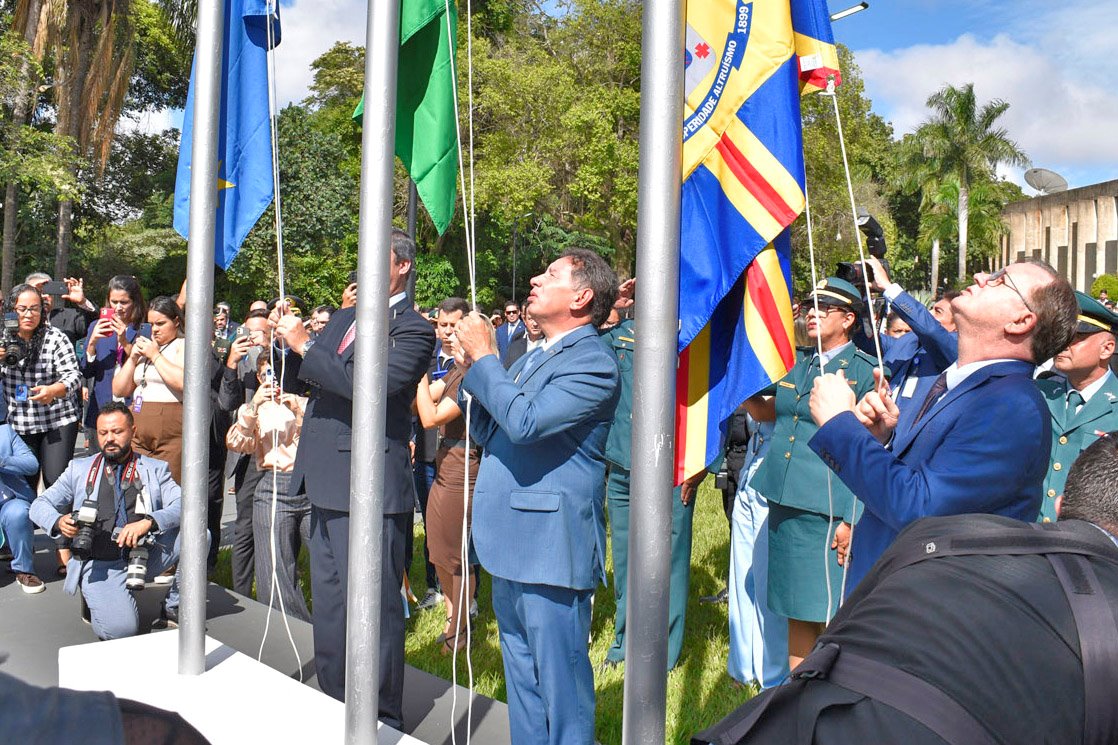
(236, 700)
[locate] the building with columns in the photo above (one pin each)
(1075, 231)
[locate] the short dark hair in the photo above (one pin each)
(1089, 493)
(454, 305)
(116, 407)
(258, 313)
(949, 295)
(324, 309)
(588, 269)
(1057, 313)
(403, 247)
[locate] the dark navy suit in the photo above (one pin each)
(539, 523)
(506, 334)
(983, 447)
(322, 472)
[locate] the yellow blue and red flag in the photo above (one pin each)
(747, 64)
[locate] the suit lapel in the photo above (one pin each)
(972, 381)
(1101, 404)
(546, 355)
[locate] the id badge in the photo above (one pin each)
(23, 393)
(137, 403)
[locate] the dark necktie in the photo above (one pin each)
(530, 359)
(1075, 400)
(938, 389)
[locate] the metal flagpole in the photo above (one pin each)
(370, 374)
(413, 203)
(653, 447)
(196, 368)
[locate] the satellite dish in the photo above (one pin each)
(1045, 181)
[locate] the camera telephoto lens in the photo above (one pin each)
(137, 568)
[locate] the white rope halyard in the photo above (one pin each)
(277, 383)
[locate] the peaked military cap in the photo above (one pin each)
(838, 293)
(1094, 316)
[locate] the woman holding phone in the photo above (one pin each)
(152, 375)
(108, 343)
(39, 388)
(447, 509)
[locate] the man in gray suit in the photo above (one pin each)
(543, 424)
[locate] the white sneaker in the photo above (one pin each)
(29, 583)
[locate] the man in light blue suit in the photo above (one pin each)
(978, 443)
(539, 526)
(135, 497)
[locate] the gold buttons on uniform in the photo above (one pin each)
(1051, 492)
(795, 417)
(1047, 519)
(1063, 441)
(791, 438)
(1056, 466)
(787, 456)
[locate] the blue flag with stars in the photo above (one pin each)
(244, 169)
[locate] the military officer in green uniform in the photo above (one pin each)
(622, 340)
(810, 509)
(1084, 400)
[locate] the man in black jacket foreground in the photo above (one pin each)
(325, 364)
(969, 629)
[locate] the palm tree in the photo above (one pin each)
(939, 218)
(963, 140)
(92, 44)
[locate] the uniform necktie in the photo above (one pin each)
(938, 389)
(1075, 400)
(350, 335)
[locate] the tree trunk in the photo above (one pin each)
(69, 124)
(20, 114)
(935, 266)
(964, 215)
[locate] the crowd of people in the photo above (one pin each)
(519, 425)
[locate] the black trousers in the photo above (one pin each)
(329, 549)
(54, 449)
(245, 478)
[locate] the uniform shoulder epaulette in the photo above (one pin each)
(1051, 387)
(870, 360)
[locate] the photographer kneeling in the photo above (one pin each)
(126, 516)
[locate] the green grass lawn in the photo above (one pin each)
(699, 690)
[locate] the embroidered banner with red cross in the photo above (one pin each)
(746, 65)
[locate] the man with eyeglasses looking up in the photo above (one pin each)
(978, 442)
(509, 331)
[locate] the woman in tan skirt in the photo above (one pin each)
(152, 376)
(447, 507)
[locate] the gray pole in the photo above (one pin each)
(413, 203)
(196, 370)
(370, 374)
(653, 447)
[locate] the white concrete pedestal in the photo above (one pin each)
(237, 699)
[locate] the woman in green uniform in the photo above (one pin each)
(810, 510)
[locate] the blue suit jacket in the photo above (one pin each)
(101, 369)
(982, 448)
(538, 512)
(67, 493)
(504, 337)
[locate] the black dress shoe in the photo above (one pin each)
(168, 618)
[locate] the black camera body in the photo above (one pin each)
(857, 272)
(86, 518)
(12, 348)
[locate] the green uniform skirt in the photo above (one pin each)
(797, 573)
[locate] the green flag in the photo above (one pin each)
(425, 136)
